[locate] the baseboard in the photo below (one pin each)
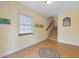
(11, 52)
(68, 43)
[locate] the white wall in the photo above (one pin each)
(69, 35)
(10, 41)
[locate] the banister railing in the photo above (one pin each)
(50, 25)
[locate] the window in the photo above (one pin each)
(25, 24)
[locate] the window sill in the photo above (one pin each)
(25, 34)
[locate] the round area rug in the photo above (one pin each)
(47, 52)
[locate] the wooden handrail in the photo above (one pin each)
(49, 25)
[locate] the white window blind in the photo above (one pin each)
(25, 24)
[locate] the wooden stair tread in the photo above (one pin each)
(53, 33)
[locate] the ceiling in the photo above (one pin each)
(51, 9)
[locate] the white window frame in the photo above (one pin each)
(25, 24)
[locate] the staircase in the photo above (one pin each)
(52, 29)
(53, 33)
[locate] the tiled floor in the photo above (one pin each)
(33, 51)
